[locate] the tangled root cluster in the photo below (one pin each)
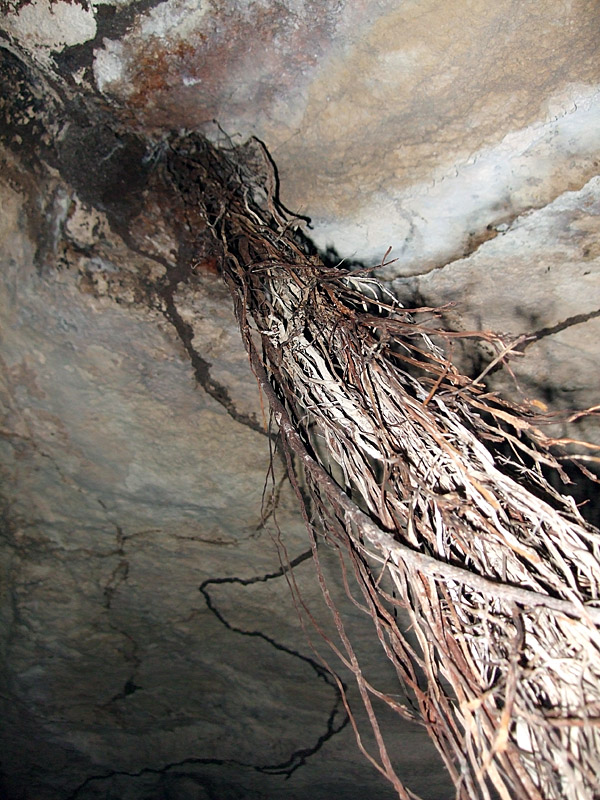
(434, 490)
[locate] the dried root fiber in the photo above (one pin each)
(430, 486)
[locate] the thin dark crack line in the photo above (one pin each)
(320, 670)
(550, 330)
(165, 291)
(500, 227)
(298, 757)
(276, 769)
(202, 367)
(261, 578)
(296, 760)
(159, 771)
(467, 252)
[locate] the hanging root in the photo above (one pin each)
(435, 491)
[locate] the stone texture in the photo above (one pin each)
(540, 276)
(151, 646)
(424, 127)
(416, 126)
(48, 26)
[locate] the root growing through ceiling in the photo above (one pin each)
(433, 490)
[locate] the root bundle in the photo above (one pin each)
(434, 490)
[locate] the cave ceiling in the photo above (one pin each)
(150, 644)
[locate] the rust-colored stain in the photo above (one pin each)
(237, 61)
(161, 66)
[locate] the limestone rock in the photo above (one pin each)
(150, 641)
(415, 126)
(539, 277)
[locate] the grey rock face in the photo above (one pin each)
(538, 277)
(151, 646)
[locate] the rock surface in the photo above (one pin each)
(538, 277)
(150, 645)
(127, 488)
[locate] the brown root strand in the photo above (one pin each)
(431, 487)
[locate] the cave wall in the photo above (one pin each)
(150, 645)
